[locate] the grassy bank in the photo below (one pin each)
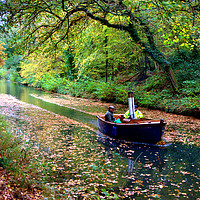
(153, 92)
(19, 175)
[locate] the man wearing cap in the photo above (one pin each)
(138, 114)
(109, 116)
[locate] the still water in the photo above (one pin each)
(96, 162)
(25, 93)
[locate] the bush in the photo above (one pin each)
(121, 94)
(10, 147)
(186, 64)
(15, 77)
(191, 88)
(80, 88)
(106, 91)
(4, 73)
(52, 82)
(157, 81)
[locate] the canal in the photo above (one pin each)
(26, 94)
(79, 163)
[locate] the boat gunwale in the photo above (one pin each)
(133, 124)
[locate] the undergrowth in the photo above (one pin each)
(10, 147)
(15, 159)
(154, 92)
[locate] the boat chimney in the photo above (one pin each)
(131, 105)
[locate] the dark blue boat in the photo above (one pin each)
(133, 130)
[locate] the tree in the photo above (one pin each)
(2, 55)
(54, 21)
(69, 70)
(13, 59)
(102, 52)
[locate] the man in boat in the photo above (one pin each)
(138, 114)
(109, 116)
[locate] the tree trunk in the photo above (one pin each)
(148, 48)
(106, 41)
(173, 80)
(151, 50)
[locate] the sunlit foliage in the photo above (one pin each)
(2, 55)
(99, 49)
(57, 21)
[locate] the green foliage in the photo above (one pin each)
(85, 88)
(100, 49)
(154, 82)
(13, 57)
(113, 39)
(4, 73)
(106, 91)
(186, 63)
(81, 88)
(69, 70)
(51, 82)
(15, 76)
(154, 93)
(191, 88)
(90, 88)
(10, 74)
(13, 62)
(10, 147)
(121, 94)
(112, 92)
(35, 68)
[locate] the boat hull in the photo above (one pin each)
(148, 131)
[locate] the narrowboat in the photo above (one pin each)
(143, 130)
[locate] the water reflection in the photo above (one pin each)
(148, 155)
(170, 172)
(26, 94)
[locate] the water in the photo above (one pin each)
(98, 163)
(26, 94)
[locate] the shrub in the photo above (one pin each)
(15, 77)
(4, 73)
(52, 82)
(186, 64)
(10, 146)
(121, 94)
(106, 91)
(191, 87)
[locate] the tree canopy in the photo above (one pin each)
(56, 22)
